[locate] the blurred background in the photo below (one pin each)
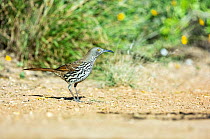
(49, 33)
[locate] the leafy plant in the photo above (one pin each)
(49, 33)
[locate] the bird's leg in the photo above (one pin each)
(69, 87)
(75, 85)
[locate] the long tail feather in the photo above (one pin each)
(41, 69)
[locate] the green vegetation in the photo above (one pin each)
(54, 32)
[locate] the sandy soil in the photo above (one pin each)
(172, 101)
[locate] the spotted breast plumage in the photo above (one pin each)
(77, 71)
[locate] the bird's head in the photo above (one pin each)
(96, 51)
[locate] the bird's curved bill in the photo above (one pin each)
(108, 51)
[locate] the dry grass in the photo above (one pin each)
(121, 71)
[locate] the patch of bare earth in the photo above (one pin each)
(171, 101)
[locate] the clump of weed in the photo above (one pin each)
(122, 71)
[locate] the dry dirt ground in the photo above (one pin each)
(172, 101)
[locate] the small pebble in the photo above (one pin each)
(16, 113)
(49, 114)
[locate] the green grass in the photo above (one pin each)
(53, 32)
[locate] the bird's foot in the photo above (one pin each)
(78, 100)
(86, 102)
(98, 101)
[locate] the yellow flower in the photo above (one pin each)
(184, 39)
(154, 12)
(173, 2)
(121, 16)
(201, 22)
(8, 58)
(177, 66)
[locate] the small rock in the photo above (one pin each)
(49, 114)
(16, 113)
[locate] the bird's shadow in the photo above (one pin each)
(65, 98)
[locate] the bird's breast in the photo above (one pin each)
(80, 73)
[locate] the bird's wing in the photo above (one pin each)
(70, 66)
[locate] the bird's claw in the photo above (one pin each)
(77, 100)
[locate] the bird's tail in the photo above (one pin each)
(41, 69)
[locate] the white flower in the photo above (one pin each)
(164, 52)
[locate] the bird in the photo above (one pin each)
(76, 72)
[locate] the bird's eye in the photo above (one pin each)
(98, 50)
